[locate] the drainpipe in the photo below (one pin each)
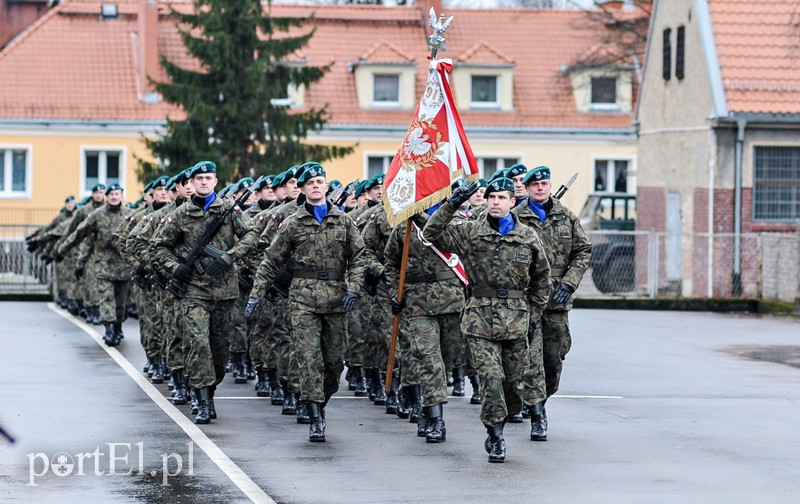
(712, 161)
(737, 210)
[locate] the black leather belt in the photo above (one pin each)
(431, 277)
(319, 275)
(498, 293)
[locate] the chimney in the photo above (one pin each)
(148, 49)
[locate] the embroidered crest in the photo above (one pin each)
(340, 235)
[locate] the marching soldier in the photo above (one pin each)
(568, 252)
(510, 283)
(321, 248)
(210, 288)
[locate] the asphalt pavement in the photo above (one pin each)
(656, 407)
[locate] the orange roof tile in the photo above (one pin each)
(757, 48)
(72, 65)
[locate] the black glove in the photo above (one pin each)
(219, 265)
(283, 280)
(141, 270)
(562, 293)
(351, 300)
(182, 273)
(253, 304)
(79, 272)
(32, 246)
(462, 194)
(531, 331)
(109, 245)
(245, 280)
(397, 306)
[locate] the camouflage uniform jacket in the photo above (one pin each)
(180, 232)
(99, 228)
(361, 215)
(515, 261)
(431, 287)
(376, 233)
(305, 245)
(139, 238)
(565, 243)
(81, 214)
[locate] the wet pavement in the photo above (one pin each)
(654, 407)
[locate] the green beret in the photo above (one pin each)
(264, 182)
(537, 174)
(516, 170)
(114, 187)
(244, 184)
(375, 181)
(85, 200)
(290, 173)
(98, 187)
(309, 172)
(483, 182)
(499, 184)
(497, 174)
(360, 188)
(277, 180)
(69, 198)
(334, 185)
(203, 167)
(159, 182)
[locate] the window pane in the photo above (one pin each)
(375, 165)
(112, 168)
(92, 169)
(2, 170)
(621, 176)
(776, 183)
(600, 173)
(484, 88)
(489, 167)
(18, 170)
(386, 88)
(509, 162)
(604, 90)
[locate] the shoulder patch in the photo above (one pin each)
(372, 217)
(169, 220)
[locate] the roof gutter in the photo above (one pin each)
(711, 60)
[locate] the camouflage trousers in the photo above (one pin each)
(71, 284)
(556, 342)
(319, 345)
(150, 323)
(535, 390)
(89, 283)
(428, 346)
(239, 335)
(171, 316)
(501, 366)
(358, 328)
(206, 326)
(379, 333)
(113, 299)
(271, 342)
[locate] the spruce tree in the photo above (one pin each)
(230, 116)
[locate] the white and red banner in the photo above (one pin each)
(433, 154)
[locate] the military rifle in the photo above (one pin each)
(565, 187)
(348, 191)
(203, 245)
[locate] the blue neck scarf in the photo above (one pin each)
(538, 209)
(433, 209)
(209, 200)
(505, 224)
(320, 211)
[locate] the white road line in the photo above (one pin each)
(588, 396)
(233, 471)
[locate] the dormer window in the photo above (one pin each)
(386, 89)
(604, 93)
(484, 92)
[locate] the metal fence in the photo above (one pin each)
(20, 271)
(657, 264)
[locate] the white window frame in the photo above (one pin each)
(497, 90)
(101, 169)
(605, 106)
(8, 172)
(387, 160)
(500, 157)
(388, 104)
(611, 169)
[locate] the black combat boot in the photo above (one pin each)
(538, 422)
(476, 390)
(108, 338)
(251, 371)
(458, 382)
(72, 307)
(415, 398)
(436, 429)
(262, 385)
(94, 315)
(133, 311)
(193, 400)
(391, 399)
(229, 363)
(361, 382)
(158, 369)
(380, 390)
(181, 392)
(146, 368)
(422, 424)
(118, 334)
(303, 416)
(316, 429)
(495, 444)
(515, 418)
(203, 395)
(526, 413)
(403, 403)
(350, 377)
(289, 404)
(276, 388)
(212, 409)
(82, 309)
(239, 367)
